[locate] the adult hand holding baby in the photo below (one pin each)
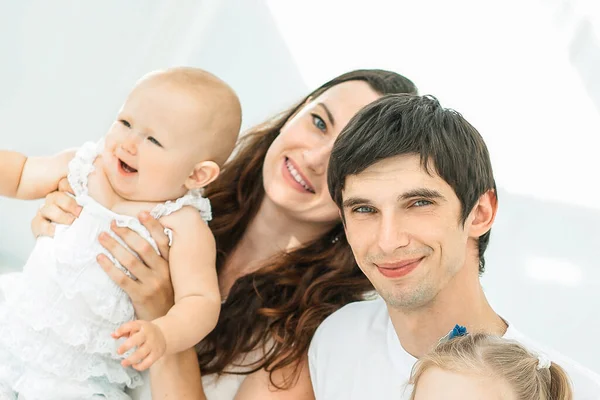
(59, 208)
(152, 294)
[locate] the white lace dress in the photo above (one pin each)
(57, 315)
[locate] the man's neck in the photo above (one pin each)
(461, 302)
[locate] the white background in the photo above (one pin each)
(525, 73)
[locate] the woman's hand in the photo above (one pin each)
(152, 293)
(59, 208)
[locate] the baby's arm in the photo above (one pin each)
(29, 178)
(192, 261)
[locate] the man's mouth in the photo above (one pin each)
(126, 168)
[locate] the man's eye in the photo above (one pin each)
(363, 210)
(422, 203)
(152, 140)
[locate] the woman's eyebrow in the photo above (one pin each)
(328, 112)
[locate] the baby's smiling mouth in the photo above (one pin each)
(127, 168)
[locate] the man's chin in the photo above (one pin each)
(405, 299)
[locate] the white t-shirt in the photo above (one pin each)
(356, 354)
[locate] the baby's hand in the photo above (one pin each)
(150, 342)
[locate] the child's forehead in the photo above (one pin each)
(441, 383)
(167, 112)
(169, 99)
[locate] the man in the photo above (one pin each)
(417, 195)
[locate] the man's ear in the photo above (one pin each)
(203, 173)
(483, 214)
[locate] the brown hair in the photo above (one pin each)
(500, 358)
(279, 307)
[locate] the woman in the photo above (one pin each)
(284, 264)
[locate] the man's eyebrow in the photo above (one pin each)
(411, 194)
(421, 192)
(353, 201)
(328, 112)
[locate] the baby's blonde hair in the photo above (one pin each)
(498, 358)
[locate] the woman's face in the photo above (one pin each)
(295, 168)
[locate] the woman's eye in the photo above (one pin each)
(152, 140)
(125, 123)
(319, 123)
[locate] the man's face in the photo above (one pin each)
(405, 230)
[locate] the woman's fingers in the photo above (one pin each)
(152, 292)
(64, 202)
(40, 226)
(59, 208)
(117, 276)
(157, 231)
(151, 259)
(53, 213)
(125, 257)
(64, 186)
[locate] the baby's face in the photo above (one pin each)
(436, 383)
(153, 145)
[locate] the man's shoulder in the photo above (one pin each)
(586, 383)
(356, 318)
(359, 322)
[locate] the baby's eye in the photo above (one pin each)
(125, 123)
(152, 140)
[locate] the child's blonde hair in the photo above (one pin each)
(496, 357)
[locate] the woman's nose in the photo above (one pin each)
(317, 158)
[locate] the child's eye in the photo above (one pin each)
(125, 123)
(152, 140)
(319, 123)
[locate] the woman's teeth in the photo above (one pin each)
(297, 176)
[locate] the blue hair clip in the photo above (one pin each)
(457, 331)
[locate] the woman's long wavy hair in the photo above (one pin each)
(278, 308)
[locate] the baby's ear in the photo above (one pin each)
(204, 173)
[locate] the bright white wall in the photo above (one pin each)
(524, 73)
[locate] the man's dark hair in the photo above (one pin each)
(398, 125)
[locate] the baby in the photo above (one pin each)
(487, 367)
(175, 130)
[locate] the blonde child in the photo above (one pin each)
(481, 366)
(172, 134)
